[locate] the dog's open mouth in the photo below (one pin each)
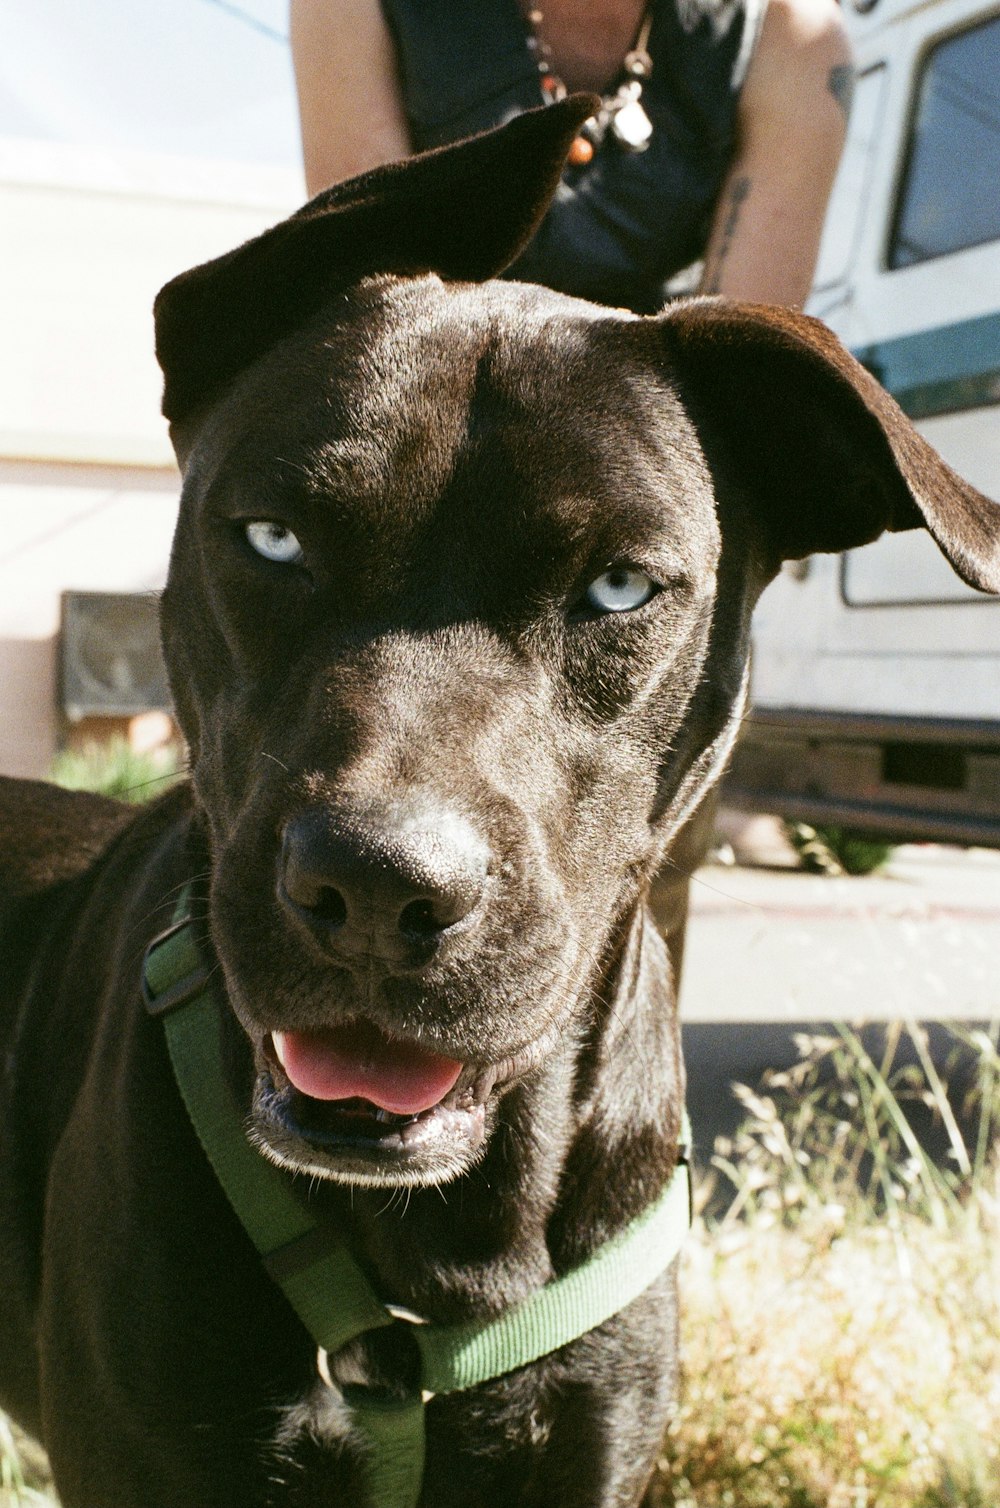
(351, 1103)
(358, 1062)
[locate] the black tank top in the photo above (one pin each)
(626, 222)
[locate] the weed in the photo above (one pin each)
(24, 1477)
(837, 850)
(841, 1324)
(114, 768)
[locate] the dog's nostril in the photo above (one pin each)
(418, 920)
(381, 886)
(330, 906)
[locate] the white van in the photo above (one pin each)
(876, 677)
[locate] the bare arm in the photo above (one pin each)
(792, 123)
(350, 105)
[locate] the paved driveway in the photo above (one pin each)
(773, 952)
(921, 940)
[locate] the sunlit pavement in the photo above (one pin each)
(921, 939)
(772, 953)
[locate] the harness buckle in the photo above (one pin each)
(326, 1375)
(407, 1315)
(179, 991)
(356, 1384)
(684, 1153)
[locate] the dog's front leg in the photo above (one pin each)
(581, 1429)
(166, 1352)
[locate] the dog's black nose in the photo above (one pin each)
(381, 884)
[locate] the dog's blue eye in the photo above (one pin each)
(273, 541)
(620, 590)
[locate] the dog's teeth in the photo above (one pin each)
(389, 1118)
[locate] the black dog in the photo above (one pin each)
(457, 624)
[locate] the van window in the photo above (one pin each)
(949, 197)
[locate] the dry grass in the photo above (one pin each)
(841, 1328)
(827, 1367)
(24, 1477)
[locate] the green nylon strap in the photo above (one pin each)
(459, 1356)
(329, 1292)
(325, 1287)
(395, 1442)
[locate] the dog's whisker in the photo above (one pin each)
(728, 895)
(640, 1057)
(134, 958)
(129, 791)
(274, 760)
(168, 900)
(695, 877)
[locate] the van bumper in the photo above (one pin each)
(909, 778)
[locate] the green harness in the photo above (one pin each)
(326, 1288)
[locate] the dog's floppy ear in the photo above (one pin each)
(830, 458)
(464, 211)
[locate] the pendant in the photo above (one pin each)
(630, 125)
(581, 152)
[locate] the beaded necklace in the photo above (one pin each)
(621, 116)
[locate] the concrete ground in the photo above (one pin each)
(773, 951)
(921, 939)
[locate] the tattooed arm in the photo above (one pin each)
(792, 123)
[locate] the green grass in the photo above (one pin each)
(840, 1293)
(837, 850)
(114, 768)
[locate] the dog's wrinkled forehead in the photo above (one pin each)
(416, 404)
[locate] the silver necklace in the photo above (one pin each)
(621, 115)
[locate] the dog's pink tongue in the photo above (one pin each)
(357, 1061)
